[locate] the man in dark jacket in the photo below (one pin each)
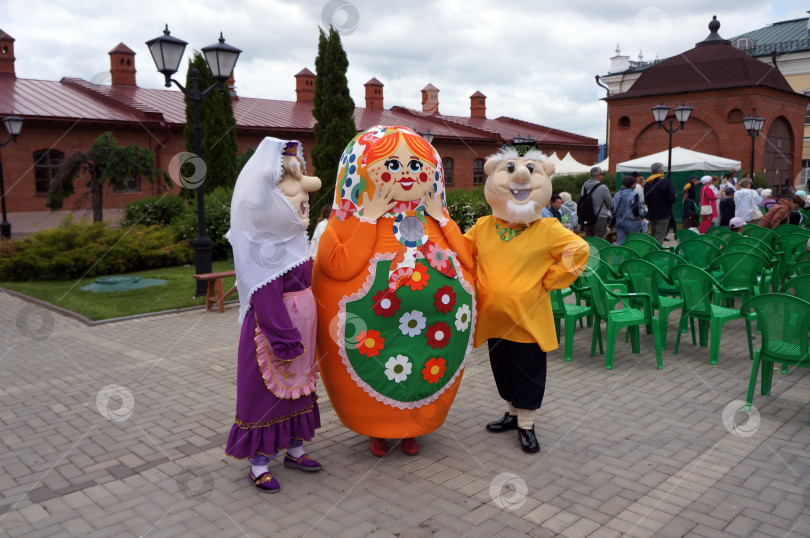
(602, 203)
(659, 194)
(727, 207)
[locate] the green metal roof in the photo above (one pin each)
(783, 37)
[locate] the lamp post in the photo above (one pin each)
(753, 126)
(13, 126)
(660, 114)
(167, 51)
(524, 144)
(428, 136)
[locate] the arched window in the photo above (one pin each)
(46, 161)
(478, 172)
(742, 43)
(624, 122)
(735, 115)
(447, 164)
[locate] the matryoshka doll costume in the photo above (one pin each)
(395, 302)
(276, 405)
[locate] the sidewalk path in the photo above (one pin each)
(119, 429)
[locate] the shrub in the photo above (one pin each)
(74, 250)
(152, 211)
(466, 206)
(217, 221)
(573, 184)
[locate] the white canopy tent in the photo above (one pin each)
(683, 160)
(568, 166)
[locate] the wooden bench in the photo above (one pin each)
(215, 293)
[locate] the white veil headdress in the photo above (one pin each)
(267, 237)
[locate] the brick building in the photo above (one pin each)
(722, 85)
(67, 115)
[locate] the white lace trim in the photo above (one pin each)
(244, 310)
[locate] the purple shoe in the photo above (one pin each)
(304, 463)
(265, 482)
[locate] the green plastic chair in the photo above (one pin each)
(784, 229)
(741, 273)
(727, 235)
(752, 243)
(801, 268)
(649, 239)
(604, 301)
(713, 239)
(790, 248)
(569, 314)
(697, 252)
(683, 235)
(798, 286)
(697, 289)
(643, 277)
(785, 323)
(641, 248)
(714, 230)
(665, 261)
(608, 268)
(759, 232)
(597, 242)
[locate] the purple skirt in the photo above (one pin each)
(264, 423)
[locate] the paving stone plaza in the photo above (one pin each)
(118, 430)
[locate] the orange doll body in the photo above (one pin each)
(395, 301)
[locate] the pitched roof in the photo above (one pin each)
(75, 99)
(784, 36)
(715, 66)
(122, 49)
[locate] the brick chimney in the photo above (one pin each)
(478, 105)
(305, 85)
(122, 66)
(6, 54)
(374, 93)
(430, 99)
(230, 85)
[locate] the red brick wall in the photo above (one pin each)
(167, 142)
(708, 129)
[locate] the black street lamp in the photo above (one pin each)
(167, 51)
(428, 136)
(753, 126)
(660, 114)
(13, 126)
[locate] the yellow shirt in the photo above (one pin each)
(513, 278)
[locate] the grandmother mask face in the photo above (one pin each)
(518, 188)
(296, 186)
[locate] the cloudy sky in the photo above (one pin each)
(534, 60)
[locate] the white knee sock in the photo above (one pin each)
(525, 418)
(296, 448)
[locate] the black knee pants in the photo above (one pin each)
(520, 372)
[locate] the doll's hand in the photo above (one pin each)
(433, 205)
(379, 204)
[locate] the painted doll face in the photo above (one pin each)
(296, 186)
(409, 176)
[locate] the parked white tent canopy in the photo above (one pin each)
(570, 166)
(683, 160)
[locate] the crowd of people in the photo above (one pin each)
(646, 205)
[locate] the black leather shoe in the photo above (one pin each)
(528, 440)
(508, 422)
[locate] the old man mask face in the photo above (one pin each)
(518, 188)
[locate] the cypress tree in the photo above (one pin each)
(218, 129)
(333, 109)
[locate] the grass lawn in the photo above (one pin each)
(178, 292)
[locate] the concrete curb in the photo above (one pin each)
(89, 322)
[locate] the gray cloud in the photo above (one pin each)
(534, 60)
